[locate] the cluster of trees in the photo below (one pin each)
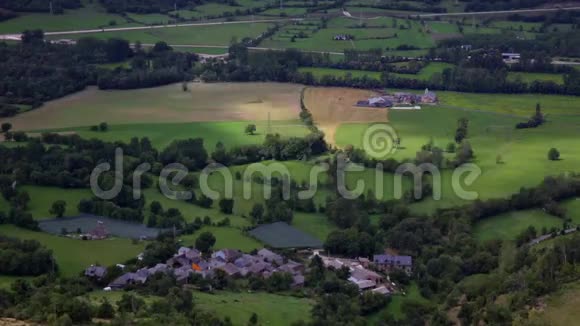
(37, 71)
(535, 121)
(146, 6)
(24, 257)
(41, 5)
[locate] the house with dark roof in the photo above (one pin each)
(270, 256)
(228, 255)
(388, 262)
(97, 272)
(128, 279)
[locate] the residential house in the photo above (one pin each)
(228, 255)
(230, 269)
(128, 279)
(429, 97)
(97, 272)
(388, 262)
(270, 256)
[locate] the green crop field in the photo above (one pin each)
(190, 35)
(73, 256)
(508, 226)
(226, 238)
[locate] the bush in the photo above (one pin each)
(553, 154)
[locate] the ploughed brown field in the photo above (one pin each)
(331, 106)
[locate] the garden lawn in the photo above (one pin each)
(508, 226)
(73, 256)
(226, 238)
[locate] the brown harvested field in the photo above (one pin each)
(202, 102)
(331, 106)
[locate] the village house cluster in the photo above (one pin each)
(187, 262)
(399, 98)
(365, 278)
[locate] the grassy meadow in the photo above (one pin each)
(226, 237)
(73, 256)
(272, 309)
(508, 226)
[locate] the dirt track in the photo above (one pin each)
(332, 106)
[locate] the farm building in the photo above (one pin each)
(388, 262)
(399, 98)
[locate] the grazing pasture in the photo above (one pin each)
(166, 104)
(73, 256)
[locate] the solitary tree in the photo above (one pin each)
(103, 126)
(226, 205)
(205, 241)
(553, 154)
(250, 129)
(58, 208)
(6, 126)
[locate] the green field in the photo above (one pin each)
(364, 38)
(394, 308)
(529, 77)
(193, 35)
(230, 134)
(91, 16)
(272, 309)
(508, 226)
(43, 197)
(73, 256)
(317, 225)
(490, 135)
(425, 73)
(226, 238)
